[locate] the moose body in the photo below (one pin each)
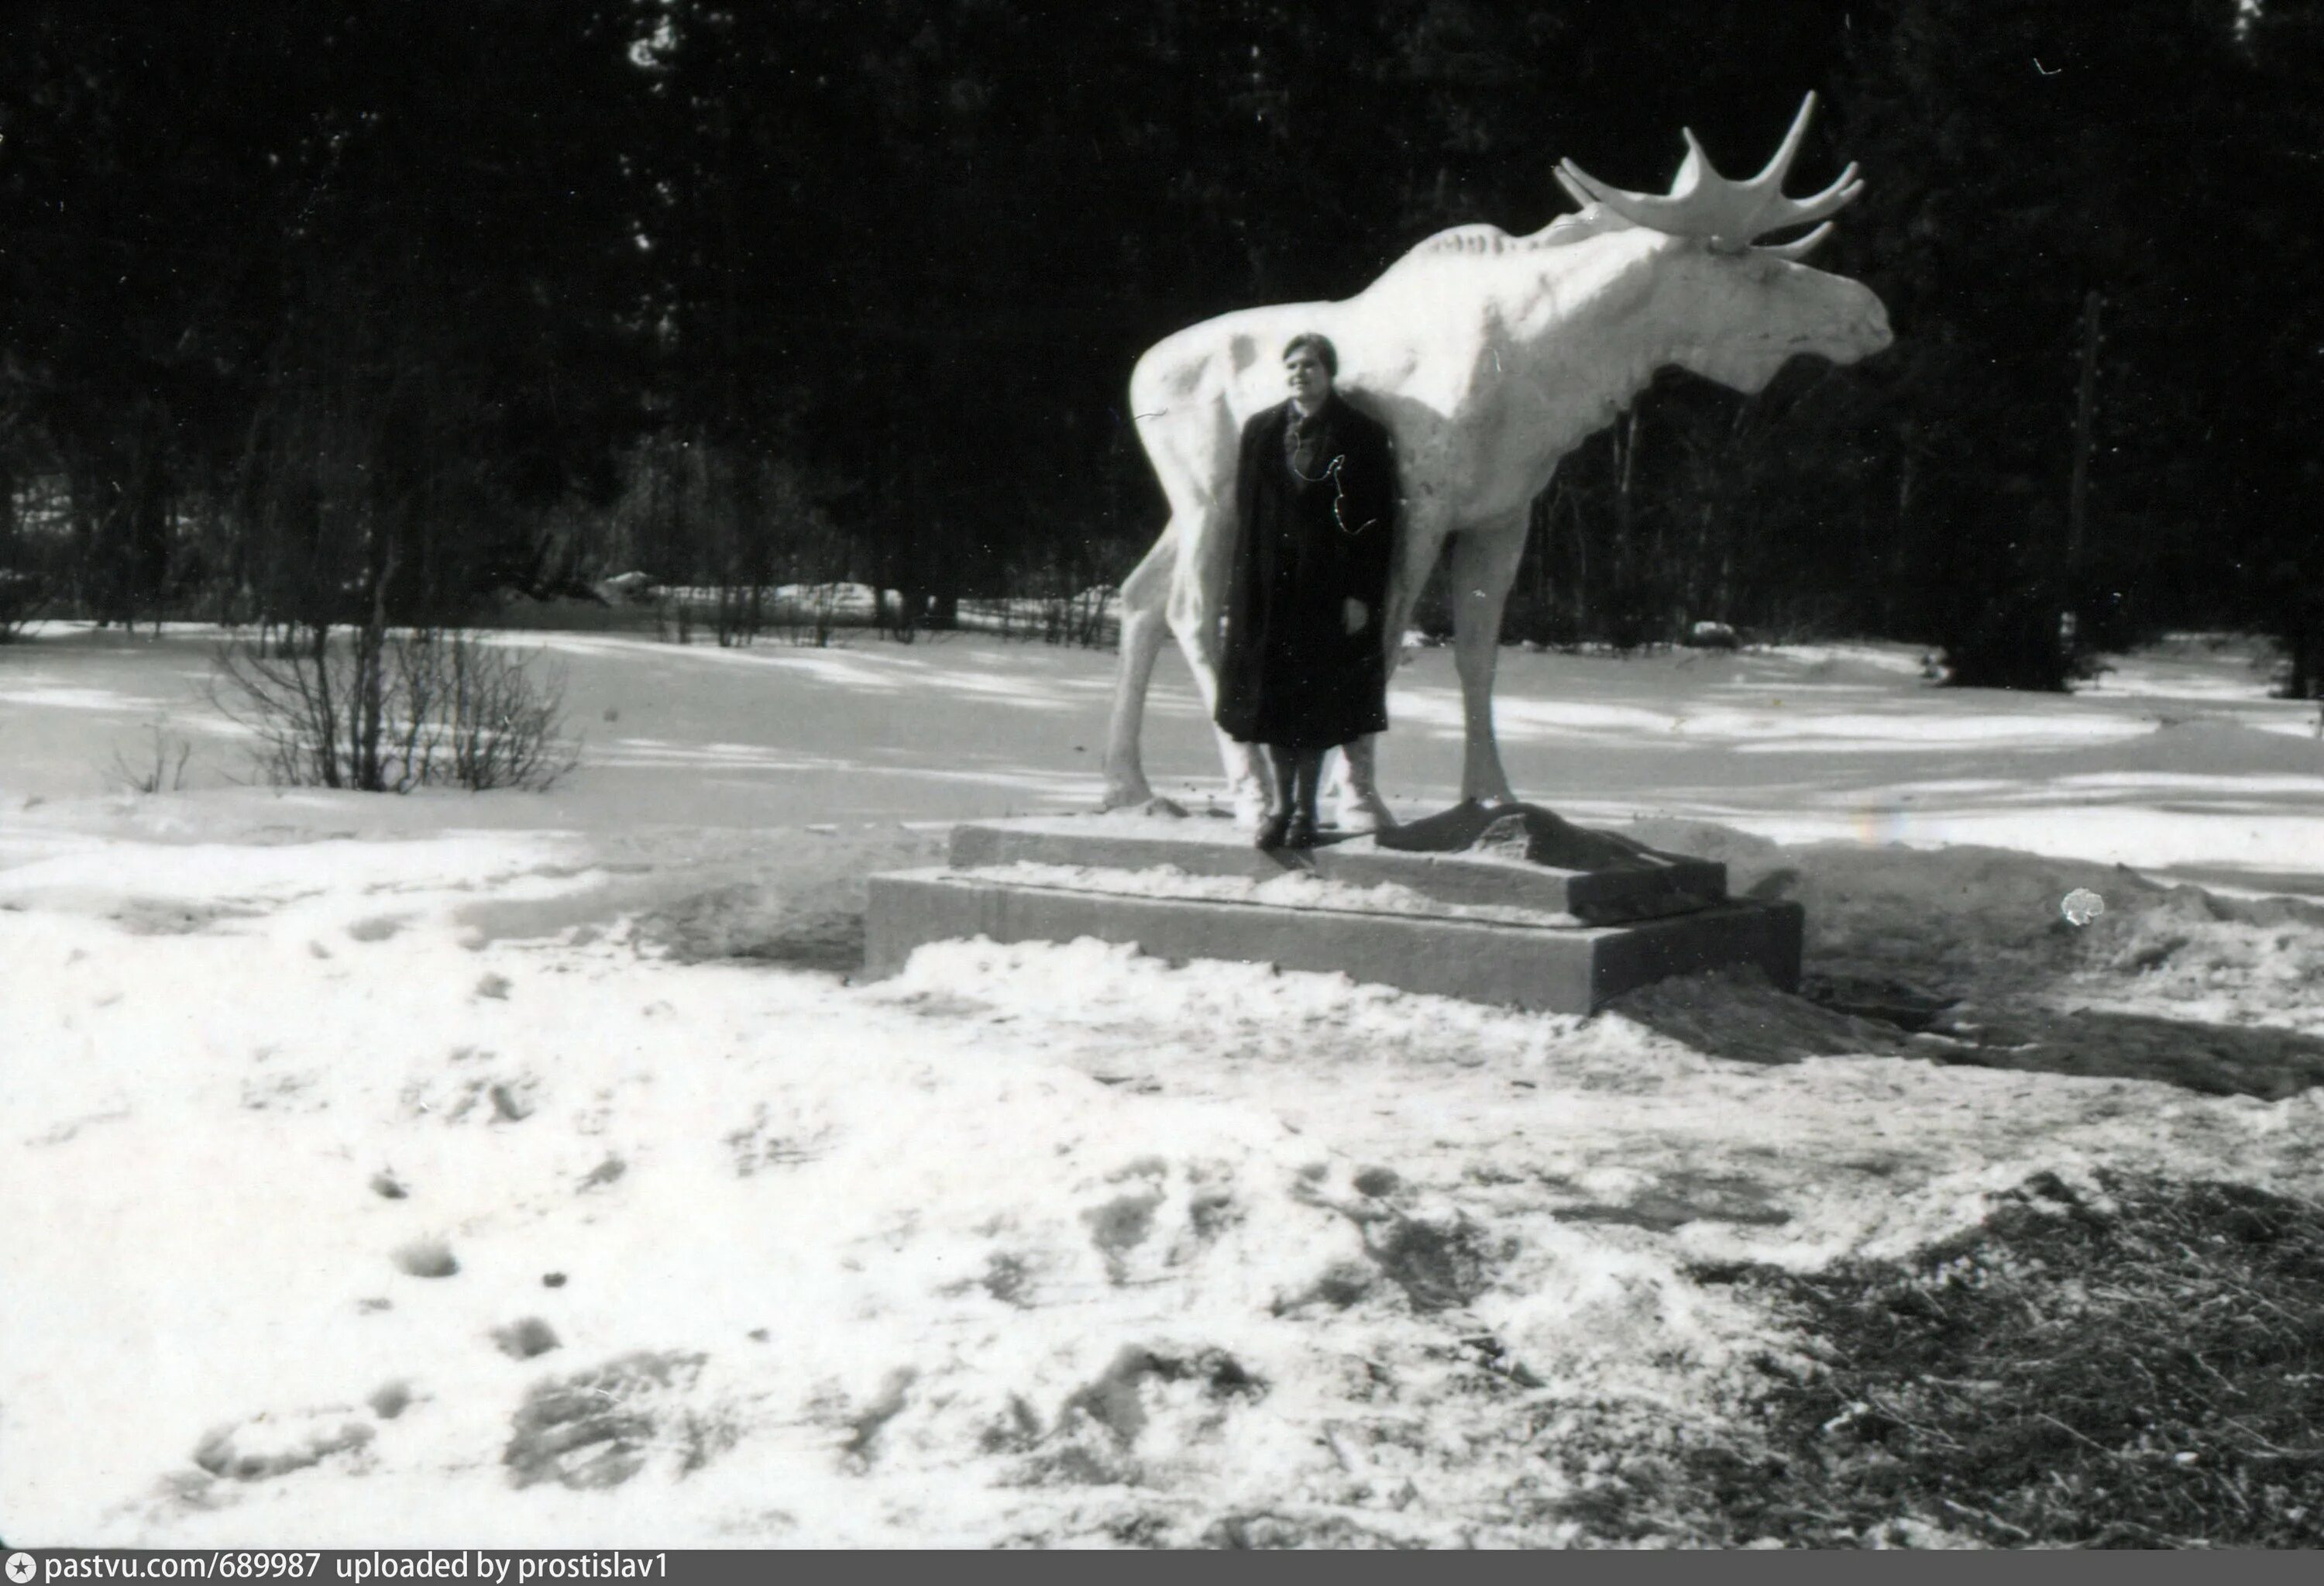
(1489, 357)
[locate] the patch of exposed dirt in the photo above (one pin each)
(170, 917)
(269, 1446)
(1115, 1398)
(597, 1428)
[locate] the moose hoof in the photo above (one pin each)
(1366, 814)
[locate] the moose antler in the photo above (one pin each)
(1730, 214)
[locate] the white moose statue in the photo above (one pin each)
(1489, 357)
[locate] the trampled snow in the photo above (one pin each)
(1041, 1243)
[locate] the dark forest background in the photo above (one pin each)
(380, 310)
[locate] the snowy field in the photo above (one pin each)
(526, 1169)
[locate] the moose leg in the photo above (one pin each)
(1197, 600)
(1484, 564)
(1145, 623)
(1361, 807)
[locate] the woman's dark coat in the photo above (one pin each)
(1307, 539)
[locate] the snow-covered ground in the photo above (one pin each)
(525, 1168)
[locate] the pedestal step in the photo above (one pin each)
(1648, 884)
(1572, 969)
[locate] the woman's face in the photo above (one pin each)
(1304, 373)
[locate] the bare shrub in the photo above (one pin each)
(387, 712)
(1082, 618)
(808, 615)
(738, 613)
(673, 617)
(482, 716)
(160, 768)
(291, 690)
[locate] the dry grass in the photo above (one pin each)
(2140, 1368)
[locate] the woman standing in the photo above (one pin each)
(1305, 668)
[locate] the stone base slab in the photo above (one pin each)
(1558, 970)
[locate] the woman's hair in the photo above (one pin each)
(1321, 346)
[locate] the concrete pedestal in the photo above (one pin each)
(1566, 955)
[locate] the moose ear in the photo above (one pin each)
(1593, 219)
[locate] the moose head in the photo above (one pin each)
(1739, 308)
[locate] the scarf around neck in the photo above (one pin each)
(1307, 439)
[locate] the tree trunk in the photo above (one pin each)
(2079, 491)
(1899, 560)
(1580, 572)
